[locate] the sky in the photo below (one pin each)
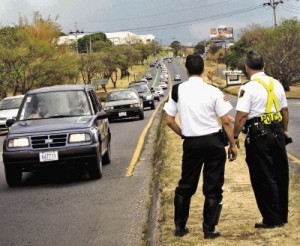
(187, 21)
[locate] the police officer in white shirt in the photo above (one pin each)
(262, 113)
(198, 105)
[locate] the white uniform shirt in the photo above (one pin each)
(197, 106)
(253, 96)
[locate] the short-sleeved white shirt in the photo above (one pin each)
(253, 96)
(198, 105)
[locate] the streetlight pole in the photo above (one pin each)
(273, 4)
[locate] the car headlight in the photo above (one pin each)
(136, 105)
(18, 142)
(108, 108)
(79, 137)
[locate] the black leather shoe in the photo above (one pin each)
(180, 232)
(212, 234)
(266, 226)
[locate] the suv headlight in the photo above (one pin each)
(18, 142)
(79, 137)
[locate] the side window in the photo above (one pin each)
(95, 102)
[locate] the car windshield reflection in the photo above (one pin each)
(121, 95)
(55, 105)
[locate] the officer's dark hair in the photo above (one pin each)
(254, 60)
(194, 64)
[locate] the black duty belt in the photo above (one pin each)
(207, 135)
(252, 121)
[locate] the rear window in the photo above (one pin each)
(10, 103)
(140, 88)
(121, 95)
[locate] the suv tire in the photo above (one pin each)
(13, 176)
(95, 167)
(107, 156)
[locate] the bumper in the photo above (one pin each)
(121, 114)
(148, 103)
(29, 159)
(3, 126)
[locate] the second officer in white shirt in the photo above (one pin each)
(198, 105)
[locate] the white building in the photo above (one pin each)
(70, 39)
(117, 38)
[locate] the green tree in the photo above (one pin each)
(30, 58)
(95, 42)
(282, 57)
(109, 65)
(176, 46)
(89, 67)
(200, 48)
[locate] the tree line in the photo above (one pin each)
(31, 57)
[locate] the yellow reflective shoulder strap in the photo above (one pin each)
(271, 95)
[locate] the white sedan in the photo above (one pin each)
(9, 107)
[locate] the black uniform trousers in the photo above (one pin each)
(267, 161)
(205, 150)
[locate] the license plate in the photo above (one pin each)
(48, 156)
(122, 114)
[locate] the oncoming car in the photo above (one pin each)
(57, 126)
(9, 107)
(123, 103)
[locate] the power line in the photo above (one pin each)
(291, 8)
(189, 22)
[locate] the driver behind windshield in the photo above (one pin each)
(40, 112)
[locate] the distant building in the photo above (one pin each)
(124, 38)
(117, 38)
(70, 39)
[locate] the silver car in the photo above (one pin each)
(9, 107)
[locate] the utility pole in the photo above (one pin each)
(273, 4)
(76, 33)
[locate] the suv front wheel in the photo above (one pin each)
(95, 167)
(13, 176)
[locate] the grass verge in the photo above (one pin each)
(239, 207)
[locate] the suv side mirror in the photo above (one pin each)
(10, 122)
(101, 115)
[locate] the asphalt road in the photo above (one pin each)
(64, 207)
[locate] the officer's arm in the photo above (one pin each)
(171, 122)
(240, 120)
(227, 125)
(285, 120)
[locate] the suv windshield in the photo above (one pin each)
(10, 103)
(55, 104)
